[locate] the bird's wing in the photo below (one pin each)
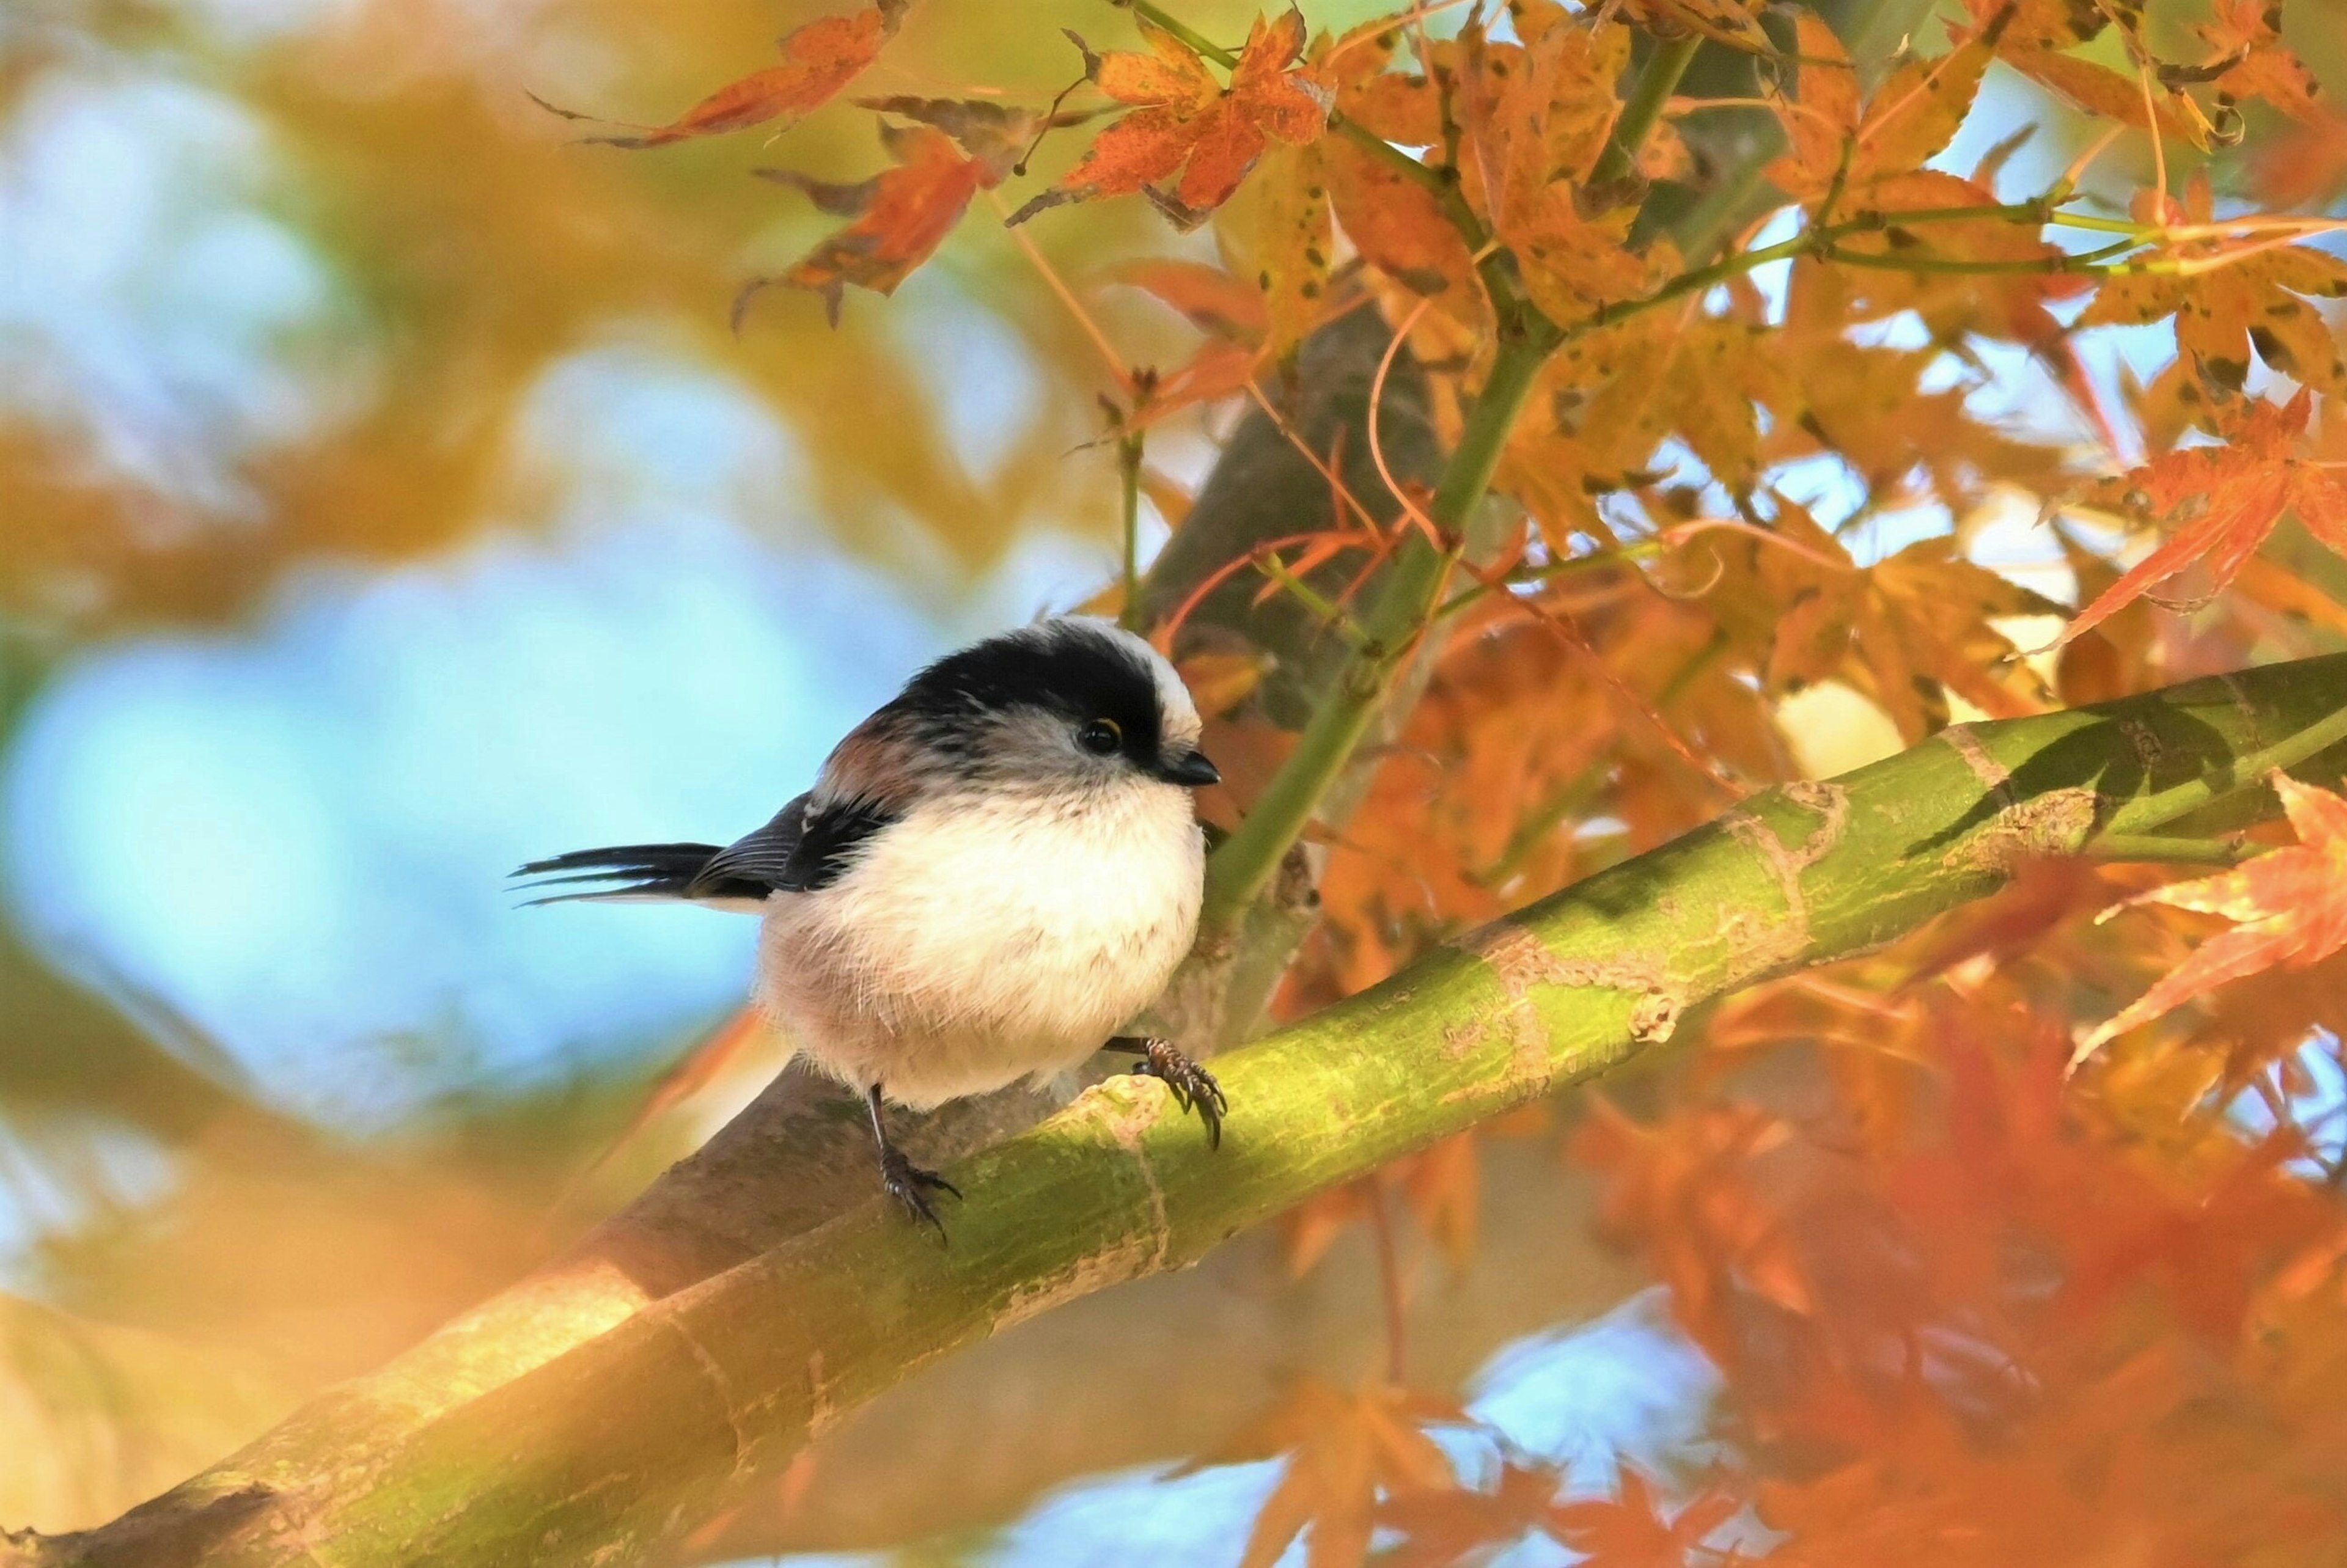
(829, 838)
(757, 863)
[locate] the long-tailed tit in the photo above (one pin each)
(992, 874)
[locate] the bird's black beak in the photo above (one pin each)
(1191, 768)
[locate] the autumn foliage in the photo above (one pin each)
(2021, 1241)
(1973, 1302)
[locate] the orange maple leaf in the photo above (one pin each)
(1345, 1449)
(2225, 305)
(901, 216)
(818, 59)
(2252, 62)
(1453, 1525)
(2226, 499)
(1913, 115)
(2289, 907)
(1181, 122)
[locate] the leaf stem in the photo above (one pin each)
(1128, 469)
(2156, 848)
(1158, 16)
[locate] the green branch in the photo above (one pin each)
(611, 1451)
(1410, 596)
(1649, 96)
(1128, 472)
(1238, 871)
(2145, 813)
(1197, 41)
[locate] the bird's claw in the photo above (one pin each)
(911, 1185)
(1194, 1087)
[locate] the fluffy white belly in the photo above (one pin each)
(975, 944)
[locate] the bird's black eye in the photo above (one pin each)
(1100, 737)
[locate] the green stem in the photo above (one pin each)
(1648, 97)
(1158, 16)
(2152, 848)
(2157, 810)
(1238, 872)
(1128, 469)
(2085, 265)
(2100, 225)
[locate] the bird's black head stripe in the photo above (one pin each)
(1065, 668)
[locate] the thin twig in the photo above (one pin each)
(1128, 467)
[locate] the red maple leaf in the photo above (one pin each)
(818, 59)
(2289, 907)
(1182, 122)
(2223, 501)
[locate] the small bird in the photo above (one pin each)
(992, 874)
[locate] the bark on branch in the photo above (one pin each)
(605, 1451)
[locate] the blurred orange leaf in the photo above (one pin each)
(2247, 37)
(901, 216)
(1453, 1525)
(818, 59)
(1345, 1449)
(2228, 499)
(1630, 1531)
(1913, 115)
(2289, 907)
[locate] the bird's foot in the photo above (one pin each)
(1194, 1087)
(911, 1185)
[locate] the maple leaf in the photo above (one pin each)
(1449, 1526)
(1345, 1449)
(1907, 631)
(1279, 233)
(2289, 909)
(2008, 305)
(2251, 61)
(995, 134)
(1181, 122)
(2224, 306)
(1913, 115)
(2050, 24)
(2225, 500)
(901, 216)
(818, 60)
(1630, 1531)
(1396, 223)
(2305, 168)
(1230, 313)
(1536, 116)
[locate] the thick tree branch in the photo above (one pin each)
(610, 1449)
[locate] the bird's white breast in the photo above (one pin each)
(981, 939)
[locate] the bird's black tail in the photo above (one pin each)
(630, 871)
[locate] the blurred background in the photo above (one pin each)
(384, 501)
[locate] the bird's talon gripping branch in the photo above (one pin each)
(1194, 1087)
(911, 1185)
